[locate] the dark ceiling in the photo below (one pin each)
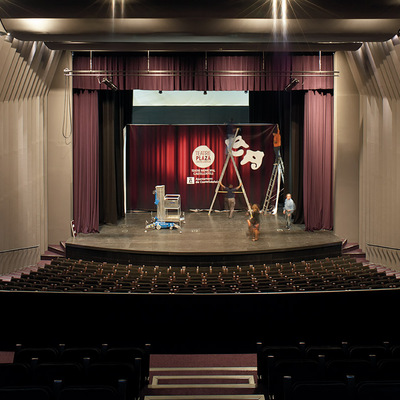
(207, 25)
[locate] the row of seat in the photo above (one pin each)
(53, 378)
(85, 356)
(80, 392)
(100, 372)
(336, 390)
(342, 350)
(282, 368)
(340, 273)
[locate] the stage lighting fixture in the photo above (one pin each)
(205, 92)
(9, 38)
(160, 92)
(292, 84)
(109, 84)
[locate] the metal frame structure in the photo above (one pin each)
(169, 214)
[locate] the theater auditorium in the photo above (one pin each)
(199, 200)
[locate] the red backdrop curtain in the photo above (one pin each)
(86, 162)
(318, 159)
(165, 152)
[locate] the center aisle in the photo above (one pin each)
(203, 376)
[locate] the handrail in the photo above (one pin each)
(19, 249)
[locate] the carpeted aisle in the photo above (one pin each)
(203, 376)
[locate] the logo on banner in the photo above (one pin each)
(203, 156)
(255, 158)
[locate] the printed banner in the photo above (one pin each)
(189, 160)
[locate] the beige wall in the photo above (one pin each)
(347, 133)
(22, 179)
(376, 71)
(59, 155)
(26, 70)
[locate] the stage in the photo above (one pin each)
(204, 240)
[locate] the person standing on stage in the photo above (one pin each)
(230, 197)
(288, 209)
(277, 143)
(254, 222)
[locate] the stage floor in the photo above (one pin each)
(204, 235)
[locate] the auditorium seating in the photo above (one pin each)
(79, 372)
(66, 275)
(353, 372)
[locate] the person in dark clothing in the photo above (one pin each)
(230, 197)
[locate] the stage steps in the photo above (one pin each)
(353, 249)
(54, 251)
(200, 376)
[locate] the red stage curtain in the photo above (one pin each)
(312, 63)
(318, 159)
(162, 155)
(271, 71)
(86, 162)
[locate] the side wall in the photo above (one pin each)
(376, 71)
(59, 159)
(347, 135)
(26, 69)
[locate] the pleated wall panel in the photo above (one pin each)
(376, 69)
(26, 73)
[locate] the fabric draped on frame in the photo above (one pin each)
(318, 159)
(165, 152)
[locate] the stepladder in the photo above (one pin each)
(274, 188)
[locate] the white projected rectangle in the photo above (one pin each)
(154, 98)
